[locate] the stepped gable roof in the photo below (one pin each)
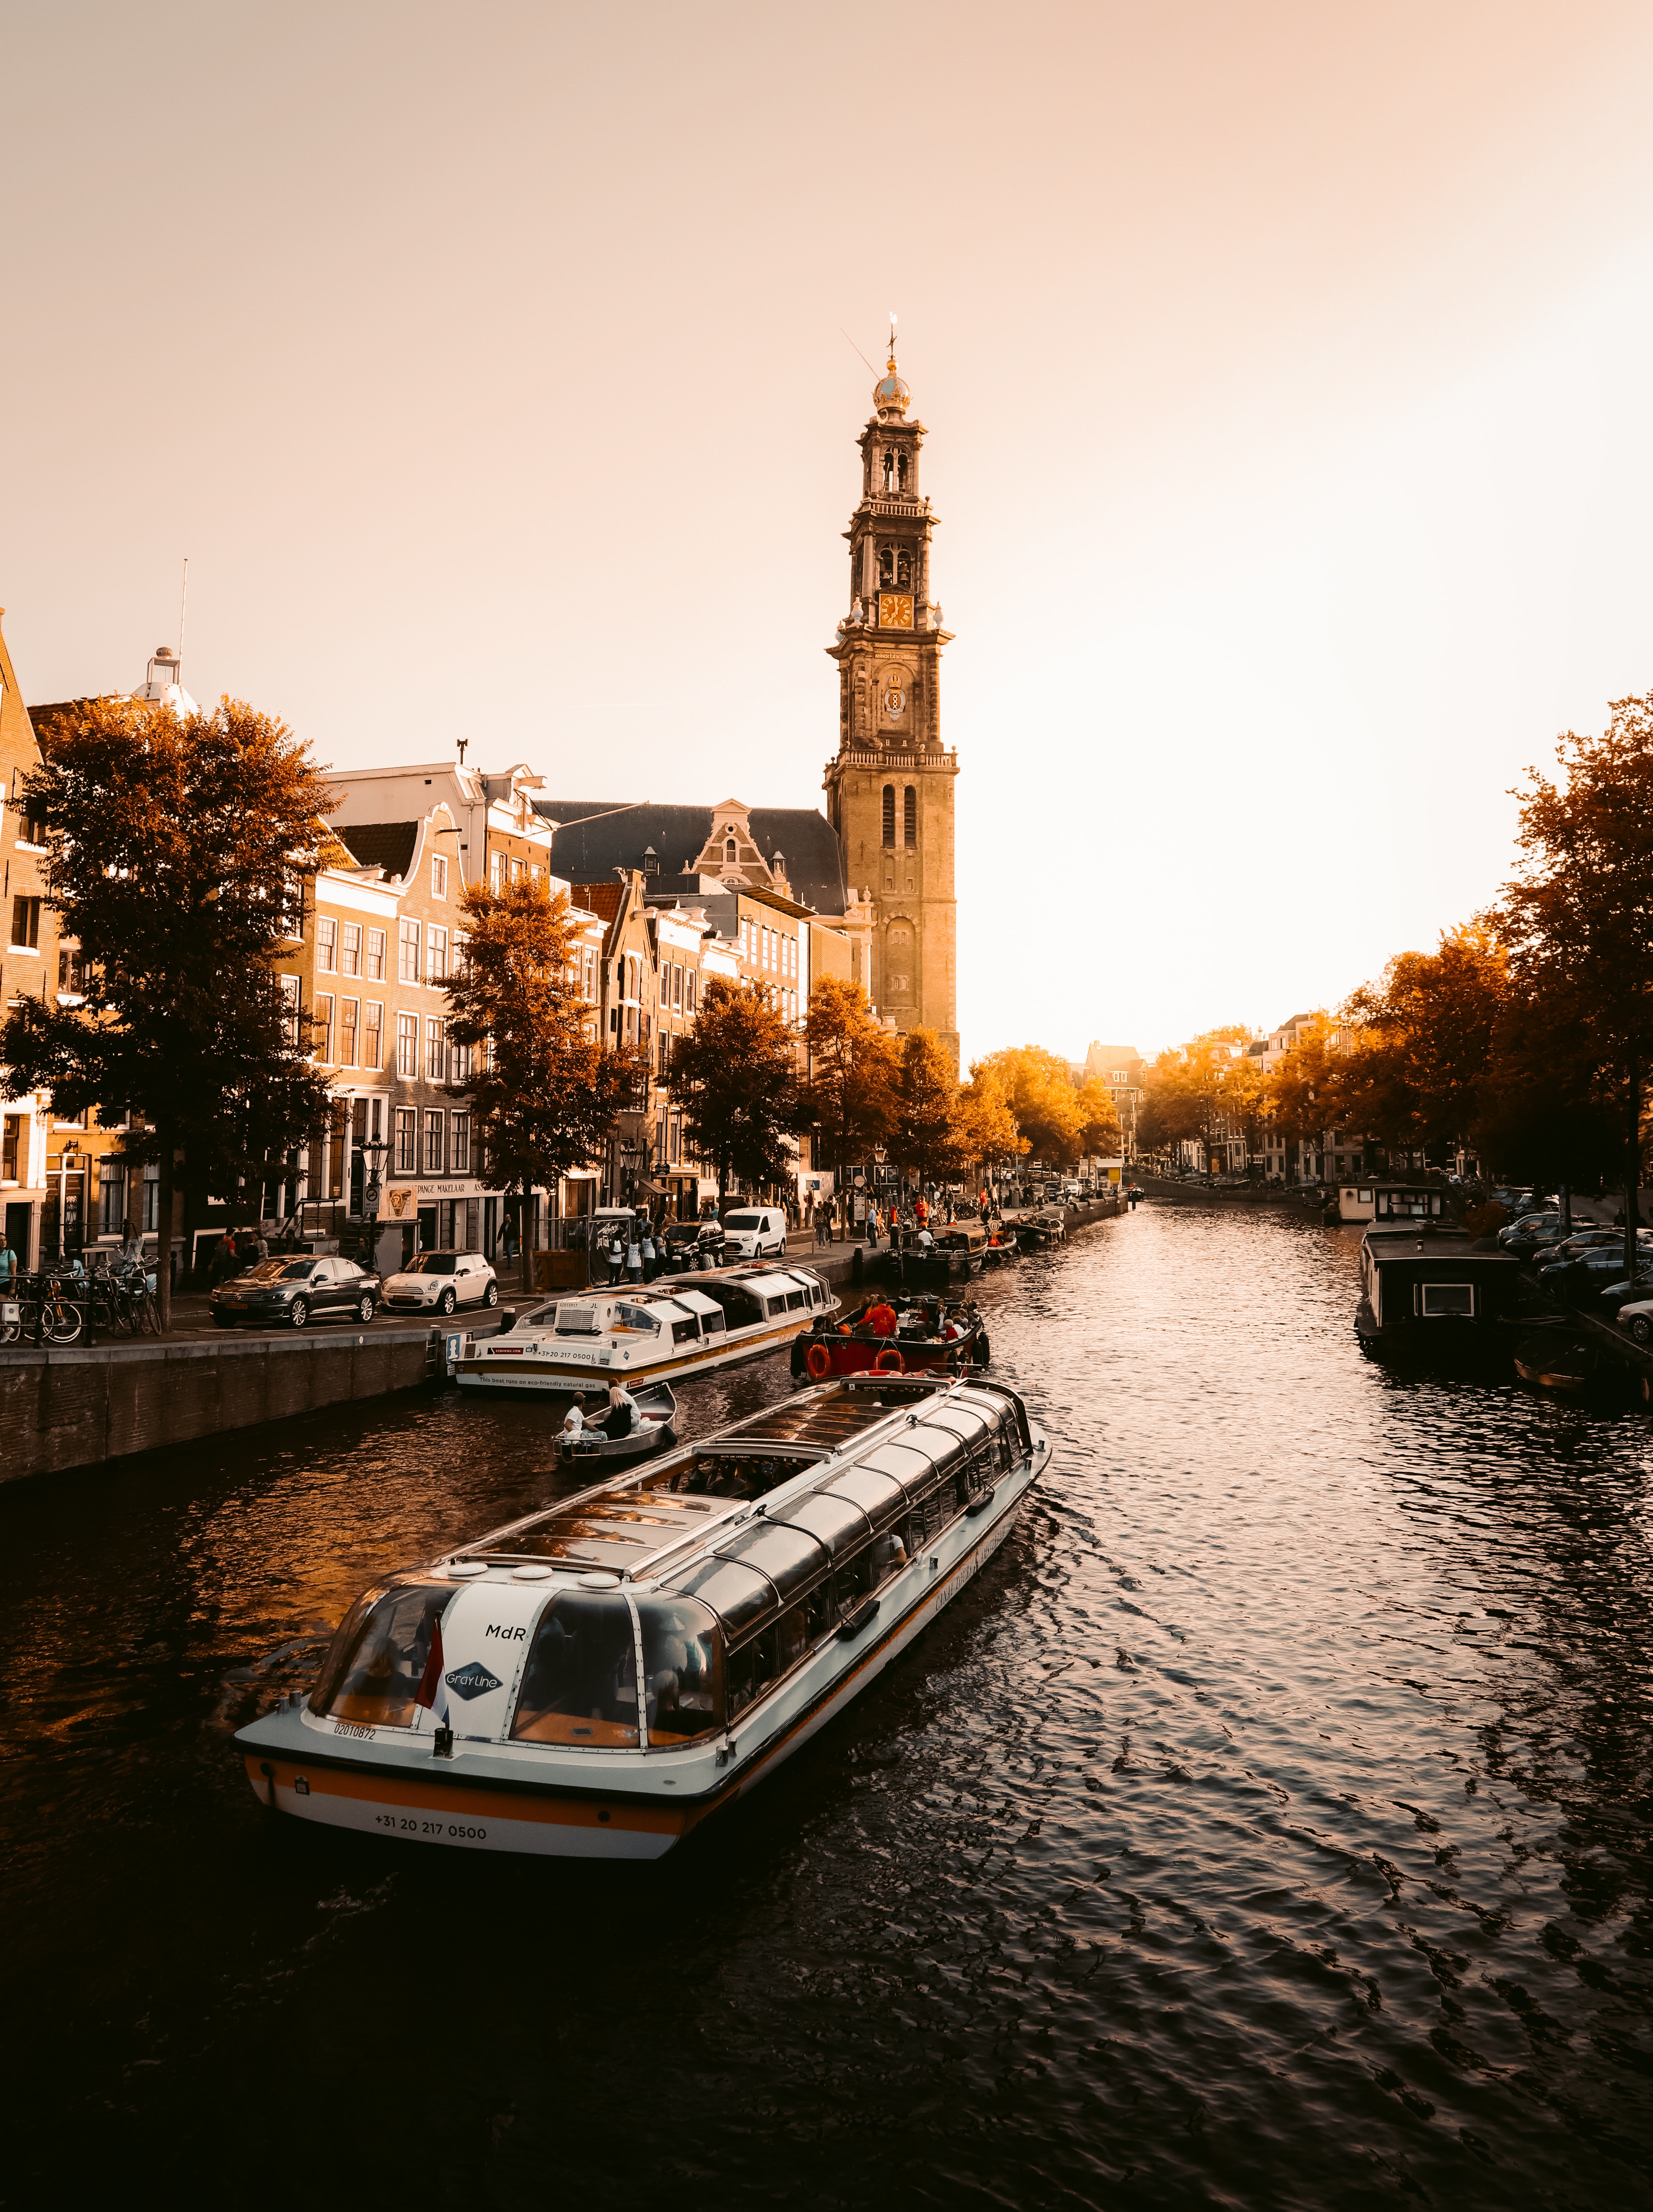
(387, 845)
(586, 851)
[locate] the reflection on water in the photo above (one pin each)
(1268, 1826)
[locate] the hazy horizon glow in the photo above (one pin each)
(1285, 374)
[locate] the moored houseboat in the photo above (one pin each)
(1423, 1285)
(664, 1331)
(596, 1679)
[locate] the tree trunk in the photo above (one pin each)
(164, 1237)
(1633, 1168)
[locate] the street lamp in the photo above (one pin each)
(373, 1150)
(66, 1159)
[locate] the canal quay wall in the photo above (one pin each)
(70, 1407)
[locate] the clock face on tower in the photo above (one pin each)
(895, 611)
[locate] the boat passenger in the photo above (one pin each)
(889, 1556)
(575, 1420)
(621, 1417)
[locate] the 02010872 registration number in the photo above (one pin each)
(410, 1825)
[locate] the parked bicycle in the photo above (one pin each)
(44, 1308)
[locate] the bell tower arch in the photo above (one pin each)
(889, 791)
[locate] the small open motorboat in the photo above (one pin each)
(593, 1448)
(598, 1679)
(955, 1252)
(1556, 1360)
(1001, 1249)
(1035, 1232)
(886, 1338)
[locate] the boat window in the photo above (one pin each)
(372, 1672)
(879, 1498)
(838, 1524)
(749, 1672)
(736, 1474)
(817, 1295)
(714, 1322)
(680, 1668)
(791, 1556)
(913, 1469)
(576, 1321)
(802, 1627)
(686, 1331)
(740, 1597)
(579, 1685)
(628, 1315)
(1449, 1298)
(773, 1307)
(853, 1579)
(795, 1298)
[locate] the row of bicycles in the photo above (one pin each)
(58, 1305)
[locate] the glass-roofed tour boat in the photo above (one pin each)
(595, 1680)
(665, 1330)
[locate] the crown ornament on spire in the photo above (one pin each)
(891, 394)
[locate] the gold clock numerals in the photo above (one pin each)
(895, 611)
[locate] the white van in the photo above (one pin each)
(754, 1232)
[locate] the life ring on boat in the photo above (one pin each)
(819, 1361)
(881, 1321)
(889, 1362)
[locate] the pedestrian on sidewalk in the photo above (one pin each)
(8, 1266)
(651, 1257)
(508, 1241)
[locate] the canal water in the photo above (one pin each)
(1269, 1827)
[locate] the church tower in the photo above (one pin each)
(889, 792)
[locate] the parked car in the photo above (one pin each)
(755, 1232)
(438, 1282)
(1619, 1293)
(693, 1244)
(1514, 1234)
(1635, 1317)
(297, 1289)
(1583, 1277)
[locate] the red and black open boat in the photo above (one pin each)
(893, 1333)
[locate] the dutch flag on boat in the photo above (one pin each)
(432, 1691)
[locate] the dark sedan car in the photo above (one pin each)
(1620, 1291)
(297, 1290)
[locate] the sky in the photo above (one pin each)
(1285, 370)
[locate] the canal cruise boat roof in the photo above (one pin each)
(1414, 1275)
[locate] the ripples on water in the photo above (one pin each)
(1267, 1827)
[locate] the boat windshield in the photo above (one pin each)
(373, 1671)
(680, 1668)
(579, 1685)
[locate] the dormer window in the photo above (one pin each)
(651, 862)
(728, 850)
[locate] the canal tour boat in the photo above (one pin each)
(596, 1680)
(909, 1336)
(664, 1331)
